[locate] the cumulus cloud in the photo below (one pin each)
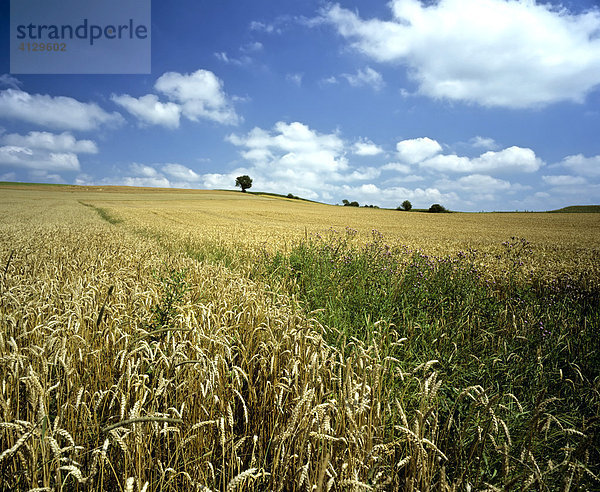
(45, 177)
(149, 110)
(292, 145)
(63, 142)
(564, 180)
(54, 112)
(292, 157)
(297, 159)
(512, 159)
(163, 175)
(585, 166)
(195, 96)
(365, 78)
(364, 174)
(34, 159)
(40, 153)
(200, 95)
(397, 166)
(417, 149)
(365, 147)
(479, 183)
(491, 52)
(143, 175)
(181, 173)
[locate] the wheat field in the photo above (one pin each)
(129, 362)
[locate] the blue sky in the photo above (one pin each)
(474, 104)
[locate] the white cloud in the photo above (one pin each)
(397, 166)
(144, 175)
(263, 27)
(393, 196)
(491, 52)
(483, 190)
(365, 147)
(181, 172)
(199, 94)
(64, 142)
(564, 180)
(365, 78)
(293, 141)
(147, 181)
(364, 174)
(7, 80)
(478, 183)
(251, 47)
(586, 166)
(294, 78)
(512, 159)
(222, 180)
(34, 159)
(329, 81)
(417, 149)
(293, 158)
(54, 112)
(164, 175)
(225, 58)
(148, 109)
(483, 143)
(410, 178)
(44, 152)
(45, 177)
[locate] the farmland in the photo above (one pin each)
(203, 340)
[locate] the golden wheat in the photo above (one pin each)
(240, 390)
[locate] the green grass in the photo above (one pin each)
(578, 209)
(518, 339)
(103, 213)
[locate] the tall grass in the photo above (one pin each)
(129, 361)
(522, 345)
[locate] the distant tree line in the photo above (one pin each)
(244, 182)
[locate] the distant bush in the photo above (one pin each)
(437, 208)
(350, 204)
(289, 195)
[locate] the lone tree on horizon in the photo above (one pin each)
(244, 182)
(406, 205)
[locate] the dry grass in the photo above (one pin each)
(235, 388)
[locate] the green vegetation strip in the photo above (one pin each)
(512, 343)
(528, 345)
(103, 213)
